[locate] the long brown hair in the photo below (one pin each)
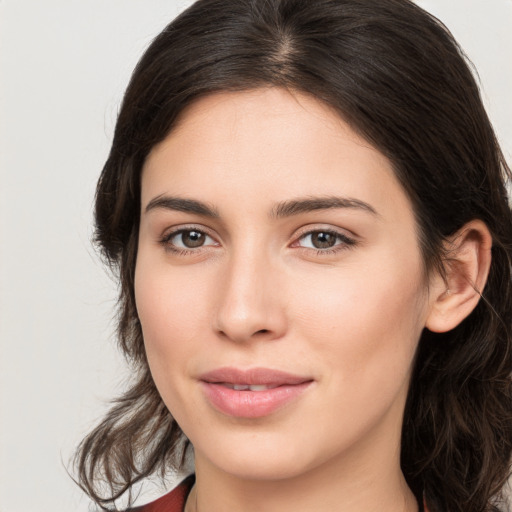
(394, 73)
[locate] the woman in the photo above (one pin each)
(306, 205)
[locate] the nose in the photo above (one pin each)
(250, 300)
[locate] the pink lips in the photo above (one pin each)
(252, 393)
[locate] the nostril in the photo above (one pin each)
(262, 331)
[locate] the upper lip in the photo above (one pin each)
(253, 377)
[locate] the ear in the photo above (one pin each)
(454, 296)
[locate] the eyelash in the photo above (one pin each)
(166, 240)
(346, 242)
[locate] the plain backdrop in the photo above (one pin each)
(63, 67)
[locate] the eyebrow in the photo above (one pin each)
(280, 210)
(308, 204)
(182, 205)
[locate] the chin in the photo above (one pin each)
(261, 457)
(260, 466)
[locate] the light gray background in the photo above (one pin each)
(63, 67)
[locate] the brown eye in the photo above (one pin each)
(188, 239)
(323, 239)
(192, 239)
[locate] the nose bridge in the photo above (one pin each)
(249, 300)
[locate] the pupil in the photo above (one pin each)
(323, 240)
(192, 238)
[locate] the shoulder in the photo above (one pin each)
(173, 501)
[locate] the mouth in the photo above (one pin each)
(252, 393)
(247, 387)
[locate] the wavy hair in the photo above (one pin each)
(397, 76)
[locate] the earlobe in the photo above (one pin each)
(454, 296)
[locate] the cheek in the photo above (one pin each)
(365, 322)
(172, 319)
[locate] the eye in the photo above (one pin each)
(187, 239)
(323, 240)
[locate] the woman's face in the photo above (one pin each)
(280, 286)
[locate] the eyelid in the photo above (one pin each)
(173, 231)
(315, 228)
(348, 239)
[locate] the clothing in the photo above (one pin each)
(175, 500)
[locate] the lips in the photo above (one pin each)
(247, 387)
(252, 393)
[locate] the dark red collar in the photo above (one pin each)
(173, 501)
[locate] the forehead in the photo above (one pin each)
(267, 145)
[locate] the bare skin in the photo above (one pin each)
(273, 236)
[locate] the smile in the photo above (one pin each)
(252, 393)
(247, 387)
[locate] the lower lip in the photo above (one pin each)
(251, 404)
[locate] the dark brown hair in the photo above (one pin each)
(394, 73)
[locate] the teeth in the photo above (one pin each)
(258, 388)
(247, 387)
